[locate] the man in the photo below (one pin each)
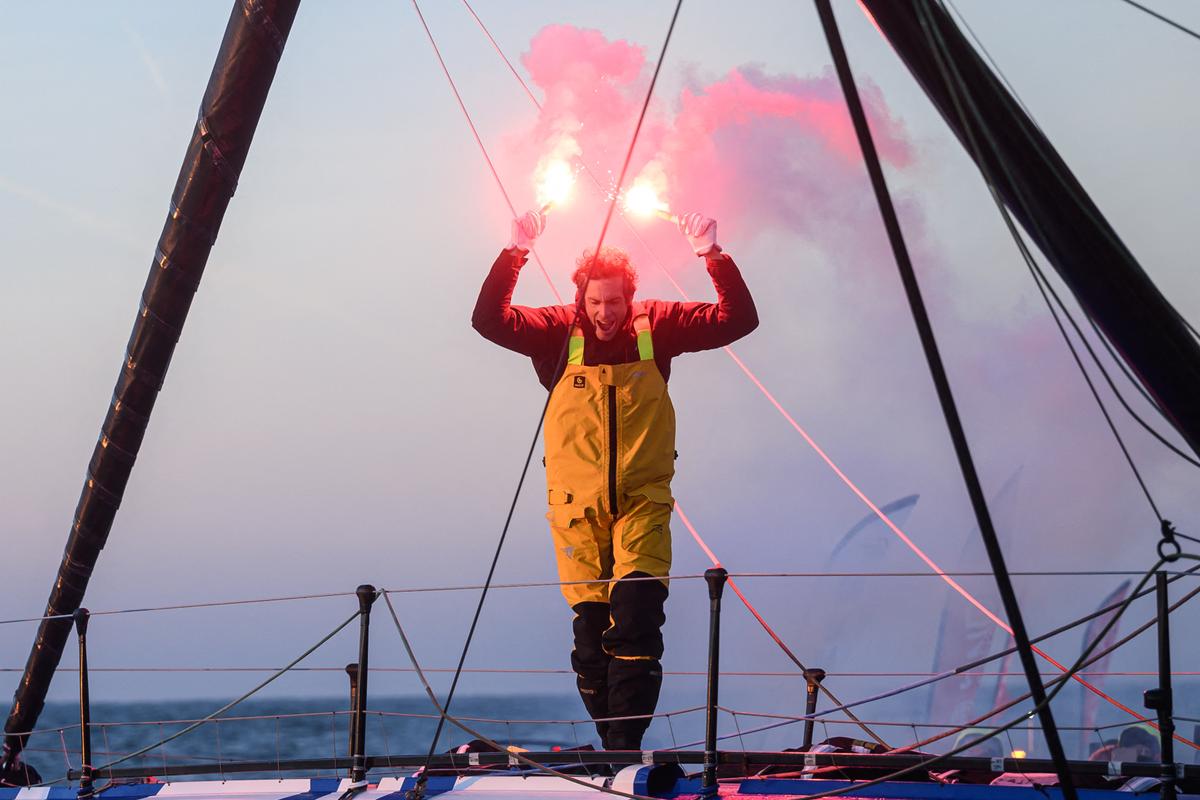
(610, 449)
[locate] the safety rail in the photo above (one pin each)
(471, 587)
(517, 730)
(749, 759)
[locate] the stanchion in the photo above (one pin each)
(352, 673)
(813, 678)
(358, 756)
(1160, 699)
(86, 790)
(715, 578)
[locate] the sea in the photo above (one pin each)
(279, 729)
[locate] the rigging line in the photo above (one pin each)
(541, 418)
(532, 445)
(995, 67)
(1017, 97)
(730, 673)
(678, 508)
(479, 141)
(681, 577)
(958, 93)
(1120, 362)
(961, 670)
(1060, 682)
(1085, 205)
(444, 715)
(232, 703)
(771, 631)
(179, 606)
(1002, 654)
(1096, 359)
(1039, 279)
(821, 453)
(908, 725)
(1163, 18)
(511, 68)
(941, 381)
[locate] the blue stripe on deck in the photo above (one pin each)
(317, 787)
(899, 790)
(436, 784)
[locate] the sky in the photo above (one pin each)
(331, 419)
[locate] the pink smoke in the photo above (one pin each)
(755, 151)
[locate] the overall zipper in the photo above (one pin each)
(612, 450)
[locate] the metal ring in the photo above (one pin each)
(1164, 545)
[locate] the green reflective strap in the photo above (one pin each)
(575, 350)
(645, 346)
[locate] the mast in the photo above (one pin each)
(1042, 193)
(229, 113)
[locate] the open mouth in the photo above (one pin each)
(605, 327)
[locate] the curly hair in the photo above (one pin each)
(610, 262)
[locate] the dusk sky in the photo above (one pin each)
(330, 418)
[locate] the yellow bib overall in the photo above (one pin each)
(610, 457)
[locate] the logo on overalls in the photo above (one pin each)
(579, 381)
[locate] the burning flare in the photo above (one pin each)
(641, 200)
(555, 185)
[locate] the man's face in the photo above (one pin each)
(606, 306)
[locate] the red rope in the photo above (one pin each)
(482, 149)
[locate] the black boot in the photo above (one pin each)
(636, 645)
(633, 688)
(590, 662)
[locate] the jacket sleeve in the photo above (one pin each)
(530, 331)
(689, 327)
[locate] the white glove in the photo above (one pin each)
(701, 232)
(526, 229)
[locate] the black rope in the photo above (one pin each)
(1039, 279)
(1059, 683)
(1168, 549)
(945, 395)
(542, 416)
(1091, 351)
(1031, 263)
(1163, 18)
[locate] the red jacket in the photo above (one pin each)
(541, 333)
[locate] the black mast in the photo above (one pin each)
(229, 113)
(1040, 190)
(945, 395)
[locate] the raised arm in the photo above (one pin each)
(529, 331)
(688, 327)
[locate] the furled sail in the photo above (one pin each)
(1042, 193)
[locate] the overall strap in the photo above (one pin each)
(575, 347)
(645, 345)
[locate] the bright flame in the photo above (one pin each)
(643, 201)
(555, 185)
(1018, 754)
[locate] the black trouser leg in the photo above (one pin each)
(590, 662)
(636, 645)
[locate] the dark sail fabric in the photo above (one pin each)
(1042, 193)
